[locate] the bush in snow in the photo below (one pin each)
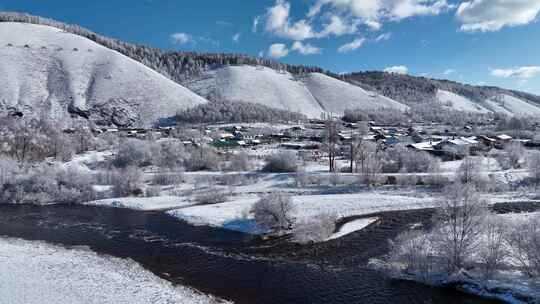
(459, 220)
(165, 178)
(274, 212)
(203, 158)
(511, 158)
(414, 251)
(170, 154)
(470, 173)
(524, 240)
(533, 164)
(211, 195)
(152, 191)
(240, 162)
(315, 229)
(132, 152)
(45, 185)
(281, 162)
(127, 181)
(492, 251)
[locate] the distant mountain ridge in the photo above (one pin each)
(307, 91)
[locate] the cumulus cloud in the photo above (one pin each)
(374, 12)
(278, 22)
(236, 37)
(305, 49)
(493, 15)
(181, 38)
(278, 50)
(525, 72)
(351, 46)
(398, 69)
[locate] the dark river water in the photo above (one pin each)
(233, 265)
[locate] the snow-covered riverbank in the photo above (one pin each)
(36, 272)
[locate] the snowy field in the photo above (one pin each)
(37, 273)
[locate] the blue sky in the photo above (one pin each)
(493, 42)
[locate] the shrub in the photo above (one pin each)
(127, 181)
(524, 239)
(203, 158)
(281, 163)
(211, 195)
(240, 162)
(152, 191)
(316, 229)
(132, 152)
(168, 178)
(274, 212)
(45, 185)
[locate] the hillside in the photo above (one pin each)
(419, 91)
(62, 75)
(311, 94)
(237, 77)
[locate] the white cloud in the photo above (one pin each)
(374, 12)
(277, 22)
(338, 26)
(525, 72)
(261, 54)
(305, 49)
(493, 15)
(383, 37)
(351, 46)
(236, 37)
(449, 72)
(398, 69)
(278, 50)
(181, 38)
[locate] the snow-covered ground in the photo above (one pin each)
(144, 203)
(36, 273)
(353, 226)
(50, 70)
(311, 95)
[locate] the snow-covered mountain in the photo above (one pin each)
(311, 94)
(46, 71)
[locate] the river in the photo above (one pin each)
(232, 265)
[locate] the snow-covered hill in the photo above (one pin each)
(44, 70)
(457, 102)
(311, 95)
(511, 105)
(503, 104)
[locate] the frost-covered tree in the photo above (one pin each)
(274, 212)
(459, 223)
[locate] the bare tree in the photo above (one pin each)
(514, 153)
(524, 240)
(533, 164)
(470, 172)
(331, 142)
(274, 212)
(459, 224)
(356, 142)
(493, 251)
